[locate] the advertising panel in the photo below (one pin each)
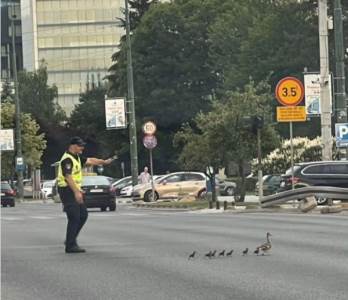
(115, 113)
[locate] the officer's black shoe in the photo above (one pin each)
(75, 249)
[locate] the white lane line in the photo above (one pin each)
(42, 217)
(10, 219)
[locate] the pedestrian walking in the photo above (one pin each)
(69, 188)
(144, 176)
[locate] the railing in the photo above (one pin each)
(328, 192)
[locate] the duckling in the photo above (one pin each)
(229, 253)
(266, 247)
(192, 255)
(222, 253)
(245, 252)
(209, 254)
(257, 250)
(213, 253)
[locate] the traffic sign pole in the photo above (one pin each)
(151, 170)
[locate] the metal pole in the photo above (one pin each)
(341, 101)
(132, 124)
(259, 164)
(324, 82)
(18, 112)
(292, 156)
(292, 161)
(151, 170)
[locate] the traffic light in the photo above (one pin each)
(253, 123)
(257, 123)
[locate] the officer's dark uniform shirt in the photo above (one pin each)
(66, 193)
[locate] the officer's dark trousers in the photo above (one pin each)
(77, 216)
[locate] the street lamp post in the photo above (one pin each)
(19, 159)
(132, 124)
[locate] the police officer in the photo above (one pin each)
(69, 188)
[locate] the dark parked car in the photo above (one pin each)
(271, 184)
(7, 195)
(98, 192)
(318, 173)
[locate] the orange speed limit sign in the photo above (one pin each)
(289, 91)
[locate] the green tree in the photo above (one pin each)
(221, 135)
(88, 120)
(38, 98)
(7, 91)
(33, 143)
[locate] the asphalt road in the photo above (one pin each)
(143, 254)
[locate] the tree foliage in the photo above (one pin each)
(33, 143)
(221, 135)
(38, 98)
(279, 159)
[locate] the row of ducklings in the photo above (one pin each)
(263, 248)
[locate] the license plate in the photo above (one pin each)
(96, 190)
(2, 194)
(282, 184)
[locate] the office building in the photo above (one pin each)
(10, 10)
(75, 38)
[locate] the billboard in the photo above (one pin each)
(312, 93)
(6, 139)
(115, 113)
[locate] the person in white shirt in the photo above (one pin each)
(144, 176)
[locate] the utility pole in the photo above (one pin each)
(19, 158)
(324, 82)
(132, 124)
(341, 101)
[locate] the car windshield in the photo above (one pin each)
(122, 182)
(95, 180)
(288, 171)
(5, 186)
(48, 184)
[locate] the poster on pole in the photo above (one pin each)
(6, 140)
(115, 113)
(312, 93)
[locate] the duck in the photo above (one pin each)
(192, 255)
(266, 247)
(209, 254)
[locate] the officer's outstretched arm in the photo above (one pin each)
(97, 161)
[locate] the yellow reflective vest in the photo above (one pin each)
(76, 171)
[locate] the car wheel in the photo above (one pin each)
(148, 196)
(230, 191)
(321, 200)
(112, 207)
(237, 197)
(103, 208)
(12, 205)
(202, 194)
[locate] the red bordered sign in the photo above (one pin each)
(289, 91)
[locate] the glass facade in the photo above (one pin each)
(76, 38)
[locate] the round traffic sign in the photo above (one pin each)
(289, 91)
(150, 141)
(149, 128)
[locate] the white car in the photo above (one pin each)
(47, 188)
(128, 190)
